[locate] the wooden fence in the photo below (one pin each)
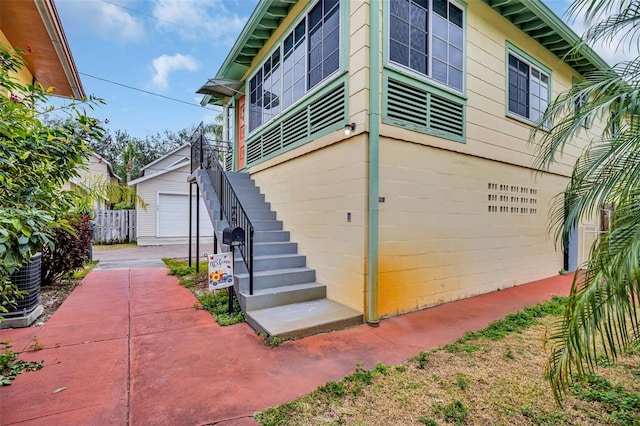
(114, 226)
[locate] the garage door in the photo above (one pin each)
(173, 216)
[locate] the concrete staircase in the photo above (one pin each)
(287, 302)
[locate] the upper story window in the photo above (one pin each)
(427, 36)
(306, 56)
(528, 89)
(228, 124)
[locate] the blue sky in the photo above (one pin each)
(167, 47)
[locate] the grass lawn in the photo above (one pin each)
(491, 377)
(215, 302)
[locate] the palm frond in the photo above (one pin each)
(601, 317)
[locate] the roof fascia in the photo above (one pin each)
(543, 12)
(228, 65)
(52, 23)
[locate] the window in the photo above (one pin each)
(307, 56)
(294, 65)
(578, 103)
(264, 92)
(324, 41)
(228, 123)
(427, 36)
(528, 89)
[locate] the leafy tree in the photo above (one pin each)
(123, 150)
(35, 161)
(602, 316)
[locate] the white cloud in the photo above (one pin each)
(116, 20)
(611, 51)
(165, 65)
(199, 20)
(108, 20)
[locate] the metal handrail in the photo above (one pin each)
(204, 157)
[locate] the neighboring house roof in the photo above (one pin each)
(109, 167)
(531, 16)
(184, 162)
(35, 23)
(168, 154)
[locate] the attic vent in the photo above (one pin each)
(420, 110)
(323, 113)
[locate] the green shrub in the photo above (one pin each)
(124, 206)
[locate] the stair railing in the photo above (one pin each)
(204, 157)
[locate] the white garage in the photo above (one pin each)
(165, 189)
(173, 214)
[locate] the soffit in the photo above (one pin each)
(35, 23)
(535, 19)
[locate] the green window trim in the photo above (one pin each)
(578, 102)
(318, 95)
(343, 54)
(431, 110)
(533, 62)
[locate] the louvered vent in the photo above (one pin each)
(271, 141)
(422, 111)
(317, 116)
(294, 128)
(446, 116)
(328, 110)
(254, 151)
(228, 162)
(407, 104)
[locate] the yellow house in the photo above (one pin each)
(34, 25)
(95, 171)
(391, 139)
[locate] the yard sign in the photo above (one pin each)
(220, 270)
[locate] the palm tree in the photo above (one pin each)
(602, 317)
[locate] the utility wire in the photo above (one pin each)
(148, 92)
(144, 14)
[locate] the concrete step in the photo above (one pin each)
(249, 197)
(276, 278)
(284, 295)
(250, 206)
(282, 261)
(303, 319)
(274, 248)
(261, 215)
(238, 176)
(267, 225)
(271, 236)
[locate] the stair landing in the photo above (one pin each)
(303, 319)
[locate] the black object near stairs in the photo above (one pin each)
(287, 302)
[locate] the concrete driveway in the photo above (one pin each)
(140, 257)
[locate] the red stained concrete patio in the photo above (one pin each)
(129, 348)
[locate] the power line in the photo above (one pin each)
(148, 92)
(143, 13)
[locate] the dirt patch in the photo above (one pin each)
(51, 297)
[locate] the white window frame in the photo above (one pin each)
(534, 67)
(280, 48)
(430, 57)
